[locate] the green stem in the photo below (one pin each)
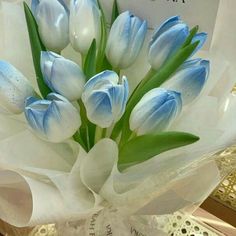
(104, 133)
(100, 133)
(83, 58)
(84, 130)
(79, 140)
(117, 70)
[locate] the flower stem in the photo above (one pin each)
(84, 130)
(79, 140)
(100, 133)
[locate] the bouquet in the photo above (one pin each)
(84, 146)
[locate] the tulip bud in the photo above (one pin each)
(53, 23)
(168, 39)
(85, 24)
(62, 76)
(125, 40)
(14, 88)
(155, 111)
(54, 119)
(190, 79)
(105, 97)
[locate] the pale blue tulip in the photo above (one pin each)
(125, 40)
(85, 24)
(168, 39)
(201, 38)
(53, 23)
(14, 88)
(54, 119)
(62, 75)
(190, 79)
(105, 97)
(155, 111)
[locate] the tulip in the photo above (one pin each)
(85, 24)
(125, 40)
(54, 119)
(53, 23)
(62, 76)
(155, 111)
(14, 88)
(168, 39)
(105, 97)
(201, 38)
(190, 79)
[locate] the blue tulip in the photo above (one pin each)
(62, 76)
(85, 24)
(155, 111)
(54, 119)
(168, 39)
(105, 97)
(125, 40)
(190, 79)
(53, 23)
(14, 89)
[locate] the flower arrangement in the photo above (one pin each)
(118, 141)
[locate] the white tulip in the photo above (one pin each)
(85, 24)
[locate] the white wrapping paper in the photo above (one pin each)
(46, 183)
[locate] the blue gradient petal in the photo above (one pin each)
(105, 98)
(155, 111)
(125, 40)
(165, 26)
(167, 44)
(53, 119)
(189, 81)
(34, 5)
(201, 37)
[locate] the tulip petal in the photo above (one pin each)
(67, 79)
(34, 5)
(119, 38)
(53, 24)
(135, 44)
(62, 76)
(167, 44)
(190, 63)
(85, 24)
(99, 109)
(166, 26)
(188, 82)
(54, 119)
(46, 62)
(125, 40)
(103, 78)
(105, 97)
(14, 88)
(201, 37)
(158, 123)
(155, 111)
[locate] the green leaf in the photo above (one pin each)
(156, 81)
(36, 48)
(103, 41)
(115, 12)
(105, 65)
(90, 61)
(170, 67)
(145, 147)
(192, 33)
